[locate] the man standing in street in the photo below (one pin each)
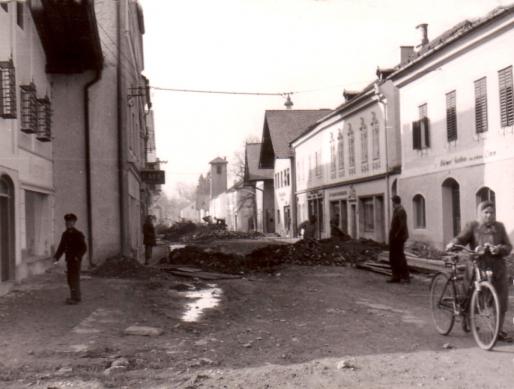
(398, 234)
(73, 246)
(148, 238)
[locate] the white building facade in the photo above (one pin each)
(26, 163)
(457, 128)
(347, 165)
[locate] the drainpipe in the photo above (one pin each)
(121, 139)
(89, 200)
(381, 99)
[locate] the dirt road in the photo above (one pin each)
(304, 327)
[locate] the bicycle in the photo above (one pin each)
(476, 303)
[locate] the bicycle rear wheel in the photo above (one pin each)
(442, 303)
(485, 316)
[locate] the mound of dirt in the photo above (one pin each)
(123, 267)
(329, 252)
(191, 232)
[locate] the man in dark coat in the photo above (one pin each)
(398, 234)
(73, 246)
(148, 238)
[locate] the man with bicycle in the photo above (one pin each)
(489, 238)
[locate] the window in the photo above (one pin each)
(28, 109)
(506, 103)
(287, 217)
(340, 150)
(418, 203)
(364, 142)
(369, 215)
(481, 105)
(7, 90)
(451, 116)
(318, 163)
(278, 216)
(218, 169)
(351, 147)
(5, 7)
(44, 120)
(332, 156)
(19, 14)
(288, 176)
(375, 135)
(421, 130)
(486, 194)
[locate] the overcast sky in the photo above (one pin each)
(319, 46)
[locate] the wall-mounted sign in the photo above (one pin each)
(153, 177)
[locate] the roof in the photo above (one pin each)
(459, 30)
(353, 98)
(252, 170)
(218, 160)
(285, 125)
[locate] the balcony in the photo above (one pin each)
(69, 35)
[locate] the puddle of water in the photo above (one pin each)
(203, 299)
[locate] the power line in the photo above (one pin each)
(222, 92)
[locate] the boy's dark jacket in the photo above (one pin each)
(72, 244)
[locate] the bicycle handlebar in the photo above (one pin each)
(461, 248)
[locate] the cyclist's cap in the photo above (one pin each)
(485, 204)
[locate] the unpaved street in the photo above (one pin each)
(300, 327)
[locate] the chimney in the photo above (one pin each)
(406, 54)
(424, 33)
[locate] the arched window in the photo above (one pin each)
(351, 147)
(485, 194)
(332, 156)
(418, 203)
(6, 228)
(375, 135)
(364, 141)
(340, 151)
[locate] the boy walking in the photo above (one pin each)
(73, 246)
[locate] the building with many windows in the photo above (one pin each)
(457, 127)
(30, 66)
(348, 162)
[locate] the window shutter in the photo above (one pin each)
(451, 116)
(416, 135)
(481, 105)
(426, 128)
(7, 90)
(506, 98)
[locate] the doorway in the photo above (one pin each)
(6, 229)
(451, 209)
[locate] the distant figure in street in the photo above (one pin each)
(148, 238)
(309, 229)
(398, 234)
(489, 238)
(335, 231)
(73, 246)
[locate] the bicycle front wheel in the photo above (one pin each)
(442, 303)
(485, 316)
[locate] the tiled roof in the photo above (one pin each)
(457, 31)
(253, 171)
(218, 160)
(285, 125)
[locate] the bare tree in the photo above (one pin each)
(237, 165)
